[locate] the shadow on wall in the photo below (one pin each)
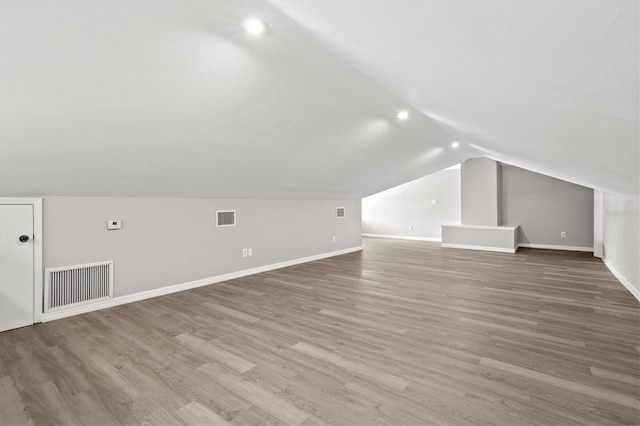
(416, 209)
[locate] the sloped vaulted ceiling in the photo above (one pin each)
(547, 85)
(173, 98)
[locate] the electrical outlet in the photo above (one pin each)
(250, 251)
(244, 252)
(333, 239)
(114, 224)
(563, 234)
(410, 227)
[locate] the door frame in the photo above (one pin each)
(38, 282)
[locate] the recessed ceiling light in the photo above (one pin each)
(454, 144)
(403, 115)
(254, 26)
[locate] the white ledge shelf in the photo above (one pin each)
(481, 237)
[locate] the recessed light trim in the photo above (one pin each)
(403, 115)
(254, 26)
(455, 144)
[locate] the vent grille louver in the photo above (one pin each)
(71, 286)
(340, 212)
(225, 218)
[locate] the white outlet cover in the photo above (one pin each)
(434, 202)
(114, 224)
(250, 251)
(244, 252)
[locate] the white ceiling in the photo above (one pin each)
(144, 98)
(548, 85)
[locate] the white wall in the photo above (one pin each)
(621, 238)
(598, 222)
(544, 207)
(169, 241)
(393, 211)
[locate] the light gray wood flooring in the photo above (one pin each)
(402, 333)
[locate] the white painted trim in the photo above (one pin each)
(488, 227)
(526, 245)
(625, 282)
(485, 248)
(38, 247)
(554, 247)
(402, 237)
(188, 285)
(38, 282)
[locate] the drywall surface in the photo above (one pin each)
(598, 223)
(167, 241)
(480, 192)
(180, 102)
(551, 86)
(493, 238)
(544, 207)
(621, 236)
(393, 211)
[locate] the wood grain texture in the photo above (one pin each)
(404, 332)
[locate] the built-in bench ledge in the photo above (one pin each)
(481, 237)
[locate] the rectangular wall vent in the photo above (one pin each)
(339, 212)
(70, 286)
(225, 218)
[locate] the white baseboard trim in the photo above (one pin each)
(625, 282)
(554, 247)
(402, 237)
(122, 300)
(485, 248)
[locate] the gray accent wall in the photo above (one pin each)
(393, 211)
(621, 236)
(480, 192)
(544, 207)
(169, 241)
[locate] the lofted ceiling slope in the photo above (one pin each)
(550, 86)
(144, 98)
(169, 98)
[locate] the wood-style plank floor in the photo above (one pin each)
(402, 333)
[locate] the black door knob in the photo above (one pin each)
(24, 238)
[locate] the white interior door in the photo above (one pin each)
(16, 266)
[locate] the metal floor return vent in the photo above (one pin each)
(70, 286)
